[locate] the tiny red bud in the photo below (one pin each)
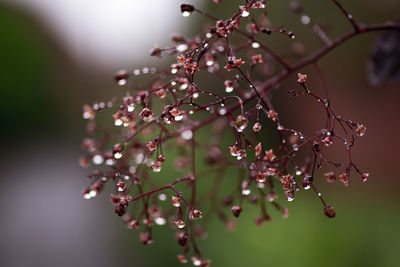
(236, 210)
(329, 211)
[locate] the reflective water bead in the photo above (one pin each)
(182, 47)
(255, 45)
(162, 197)
(305, 19)
(186, 10)
(131, 107)
(187, 134)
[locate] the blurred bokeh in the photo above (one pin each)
(56, 56)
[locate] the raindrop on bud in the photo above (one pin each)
(121, 186)
(364, 177)
(244, 11)
(195, 214)
(86, 194)
(186, 10)
(255, 45)
(176, 202)
(241, 123)
(228, 86)
(156, 166)
(160, 220)
(329, 211)
(120, 77)
(236, 210)
(361, 129)
(257, 127)
(306, 182)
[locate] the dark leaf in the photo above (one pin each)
(384, 62)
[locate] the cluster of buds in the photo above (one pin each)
(157, 123)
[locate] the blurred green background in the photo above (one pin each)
(44, 83)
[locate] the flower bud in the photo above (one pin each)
(236, 210)
(329, 211)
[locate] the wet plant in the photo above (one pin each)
(158, 124)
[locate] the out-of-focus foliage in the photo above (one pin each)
(25, 101)
(384, 63)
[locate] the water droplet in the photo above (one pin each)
(131, 107)
(187, 134)
(121, 186)
(228, 89)
(222, 111)
(122, 82)
(183, 86)
(260, 185)
(186, 10)
(246, 192)
(245, 13)
(178, 118)
(210, 62)
(182, 47)
(180, 224)
(305, 19)
(364, 177)
(118, 122)
(110, 162)
(117, 155)
(88, 112)
(196, 261)
(255, 45)
(176, 202)
(160, 220)
(241, 123)
(92, 193)
(139, 158)
(162, 197)
(98, 159)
